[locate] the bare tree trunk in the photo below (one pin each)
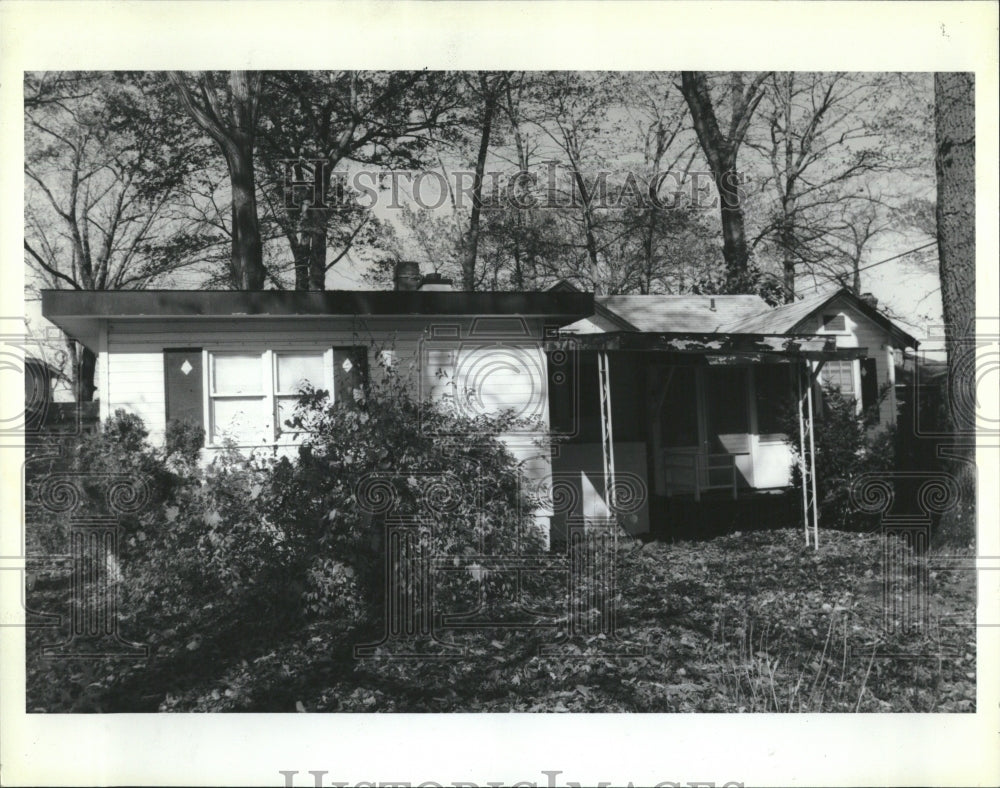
(83, 365)
(590, 237)
(247, 264)
(300, 257)
(235, 137)
(787, 234)
(954, 111)
(317, 260)
(525, 216)
(490, 94)
(721, 151)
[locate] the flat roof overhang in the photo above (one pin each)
(749, 347)
(80, 312)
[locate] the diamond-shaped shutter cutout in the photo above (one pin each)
(347, 366)
(186, 367)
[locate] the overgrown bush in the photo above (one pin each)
(847, 446)
(398, 459)
(228, 559)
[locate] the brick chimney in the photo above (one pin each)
(869, 299)
(406, 275)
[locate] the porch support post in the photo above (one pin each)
(803, 466)
(812, 467)
(607, 431)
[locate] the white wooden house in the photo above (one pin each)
(659, 395)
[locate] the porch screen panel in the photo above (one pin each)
(774, 399)
(679, 412)
(726, 409)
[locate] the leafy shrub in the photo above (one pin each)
(184, 439)
(228, 559)
(846, 447)
(470, 494)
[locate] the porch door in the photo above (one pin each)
(727, 411)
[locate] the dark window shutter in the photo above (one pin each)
(869, 383)
(183, 381)
(350, 374)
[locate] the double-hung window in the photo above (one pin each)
(840, 375)
(292, 373)
(237, 398)
(251, 396)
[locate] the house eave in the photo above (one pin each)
(80, 312)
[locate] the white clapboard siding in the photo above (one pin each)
(135, 383)
(135, 379)
(860, 331)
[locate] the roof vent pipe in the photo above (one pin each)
(406, 275)
(711, 304)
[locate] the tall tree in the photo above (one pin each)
(227, 111)
(107, 160)
(576, 112)
(825, 140)
(955, 141)
(721, 149)
(342, 119)
(489, 88)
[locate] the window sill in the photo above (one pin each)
(261, 445)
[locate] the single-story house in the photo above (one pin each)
(649, 395)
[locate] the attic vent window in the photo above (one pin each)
(834, 323)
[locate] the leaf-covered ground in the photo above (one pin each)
(740, 623)
(746, 622)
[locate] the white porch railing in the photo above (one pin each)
(688, 471)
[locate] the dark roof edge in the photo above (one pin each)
(97, 304)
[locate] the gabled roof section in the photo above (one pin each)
(781, 319)
(792, 318)
(681, 313)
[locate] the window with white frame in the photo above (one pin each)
(252, 395)
(840, 375)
